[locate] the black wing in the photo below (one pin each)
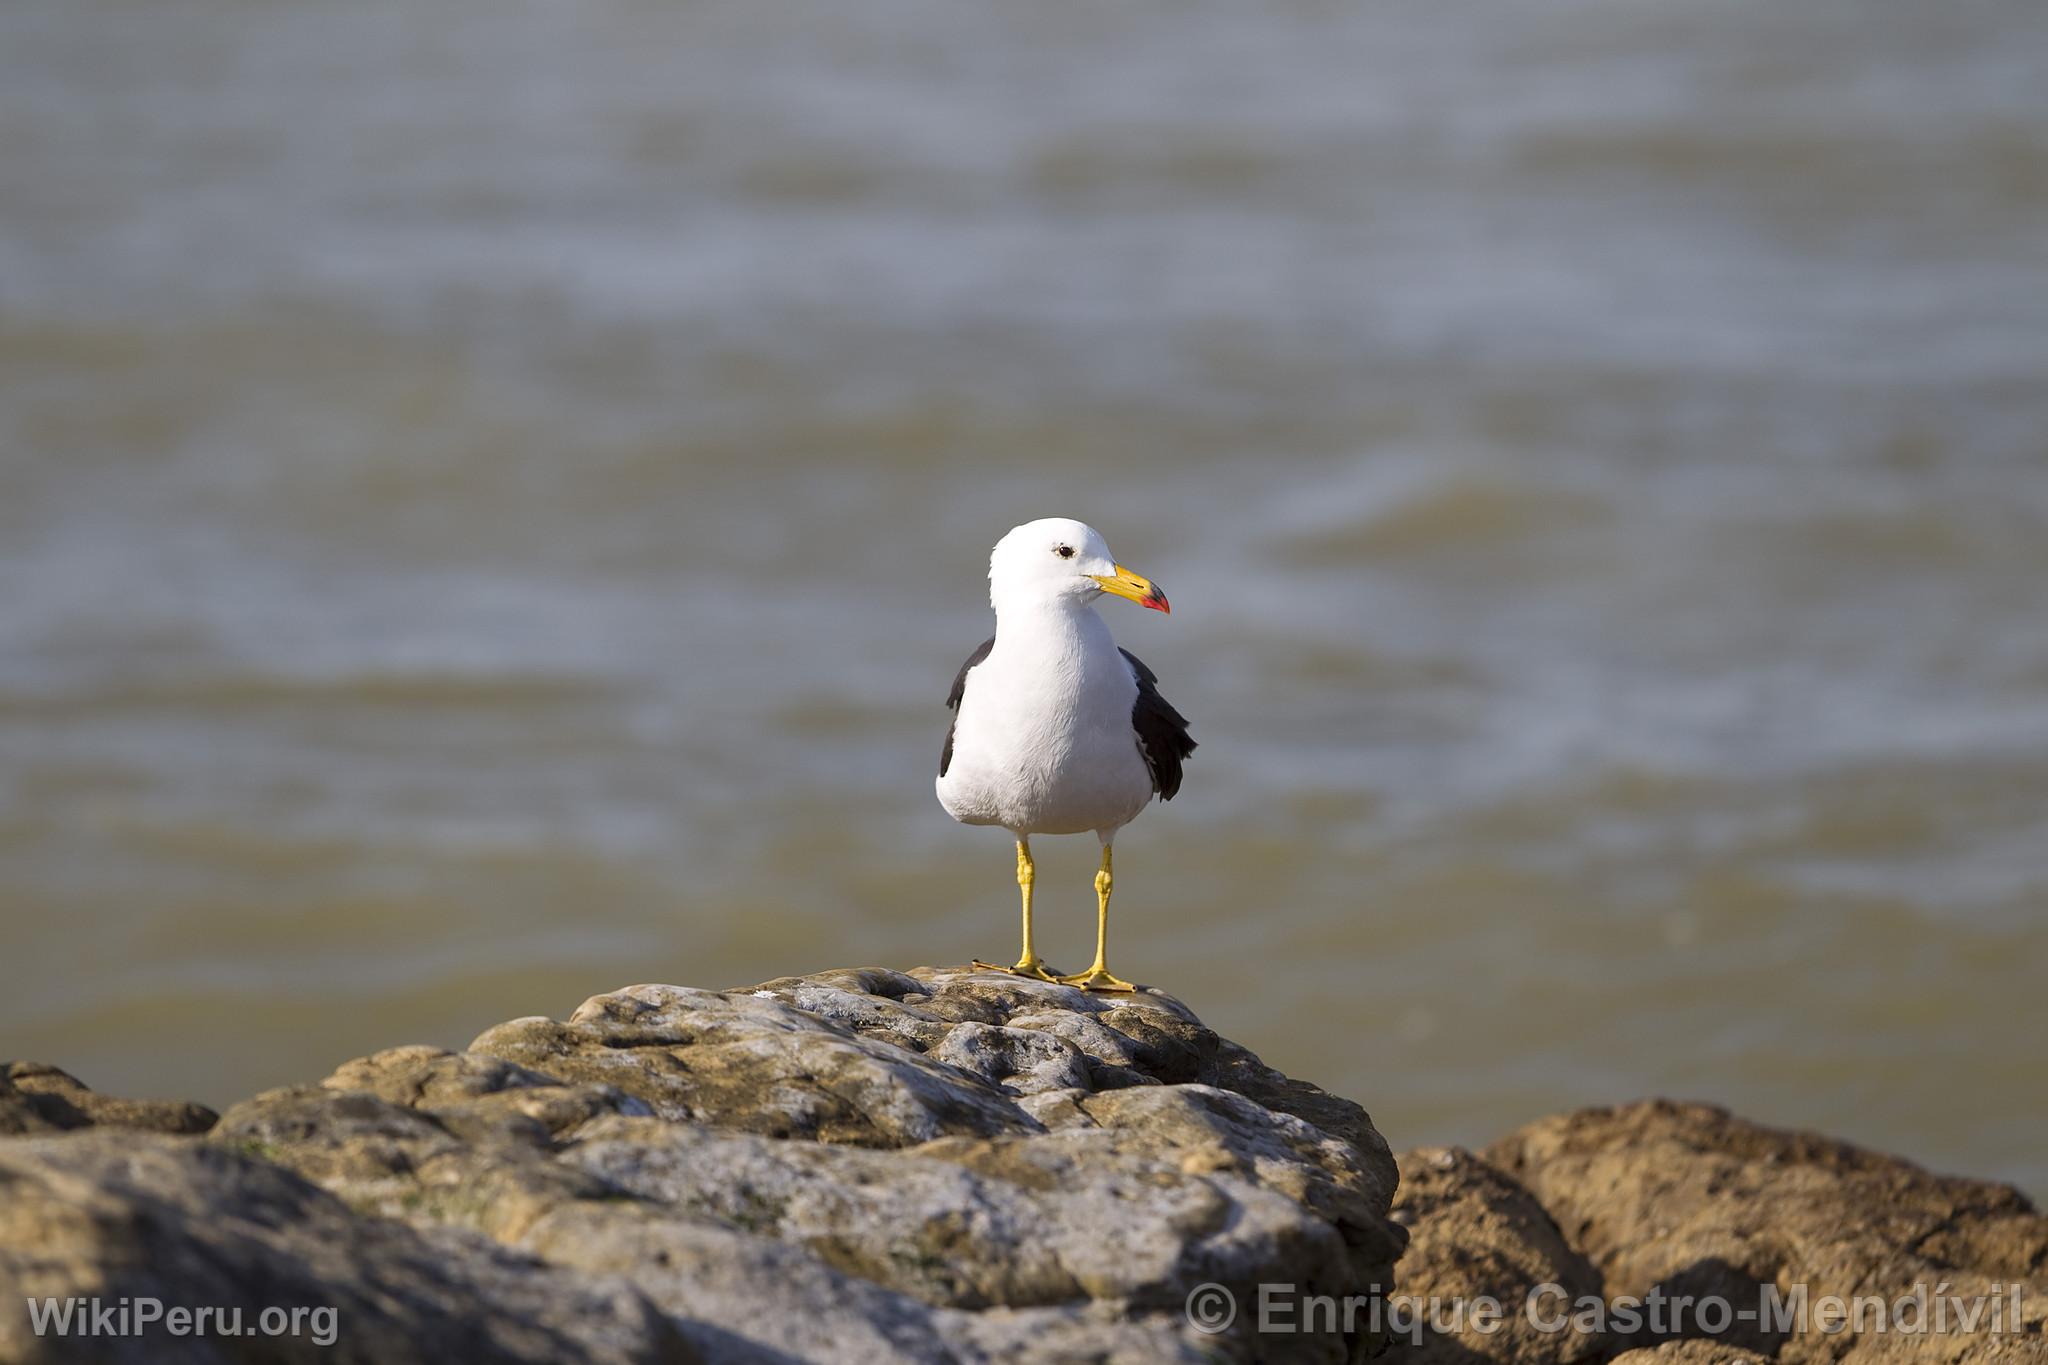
(1162, 731)
(953, 700)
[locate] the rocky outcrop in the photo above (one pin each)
(858, 1166)
(1475, 1234)
(35, 1098)
(130, 1219)
(1648, 1209)
(1688, 1200)
(952, 1166)
(1690, 1351)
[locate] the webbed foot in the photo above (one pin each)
(1097, 978)
(1033, 967)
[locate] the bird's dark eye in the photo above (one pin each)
(1063, 551)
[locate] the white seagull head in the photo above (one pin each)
(1060, 561)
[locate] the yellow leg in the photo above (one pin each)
(1097, 977)
(1030, 963)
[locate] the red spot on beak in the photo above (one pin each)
(1156, 600)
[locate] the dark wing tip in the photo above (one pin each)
(1163, 737)
(954, 697)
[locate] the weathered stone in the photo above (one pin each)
(976, 1223)
(37, 1098)
(749, 1062)
(997, 1170)
(418, 1129)
(1018, 1061)
(116, 1216)
(1474, 1233)
(1690, 1351)
(1146, 1038)
(943, 1166)
(1686, 1199)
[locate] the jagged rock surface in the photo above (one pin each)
(1688, 1199)
(130, 1216)
(1690, 1351)
(1475, 1234)
(36, 1098)
(939, 1166)
(862, 1165)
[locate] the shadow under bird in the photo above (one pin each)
(1055, 729)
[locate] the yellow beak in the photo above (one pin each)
(1137, 587)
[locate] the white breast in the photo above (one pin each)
(1043, 742)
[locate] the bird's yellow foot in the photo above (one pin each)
(1097, 978)
(1033, 967)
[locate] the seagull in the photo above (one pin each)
(1056, 730)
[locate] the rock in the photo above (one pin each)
(1686, 1199)
(933, 1166)
(1474, 1233)
(951, 1167)
(141, 1217)
(36, 1098)
(1690, 1351)
(747, 1061)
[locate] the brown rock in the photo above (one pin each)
(1685, 1199)
(1690, 1351)
(37, 1098)
(1474, 1233)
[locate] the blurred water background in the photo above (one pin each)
(494, 495)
